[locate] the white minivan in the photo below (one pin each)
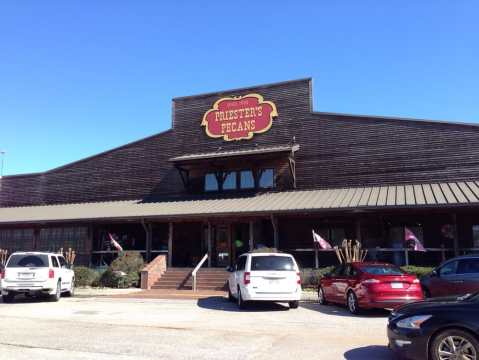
(36, 273)
(259, 276)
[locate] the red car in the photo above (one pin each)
(366, 285)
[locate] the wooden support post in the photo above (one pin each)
(443, 253)
(316, 258)
(274, 222)
(251, 235)
(406, 256)
(456, 235)
(210, 245)
(170, 244)
(358, 230)
(148, 239)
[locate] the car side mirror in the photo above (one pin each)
(230, 269)
(434, 273)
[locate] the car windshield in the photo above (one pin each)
(381, 270)
(28, 261)
(275, 263)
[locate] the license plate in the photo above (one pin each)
(273, 281)
(396, 285)
(26, 275)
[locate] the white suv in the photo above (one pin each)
(265, 277)
(36, 273)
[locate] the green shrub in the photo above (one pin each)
(130, 263)
(310, 277)
(419, 271)
(85, 276)
(114, 279)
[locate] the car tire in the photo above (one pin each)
(230, 295)
(321, 297)
(293, 304)
(7, 299)
(71, 292)
(426, 292)
(442, 340)
(352, 303)
(241, 303)
(58, 292)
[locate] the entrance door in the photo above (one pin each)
(222, 246)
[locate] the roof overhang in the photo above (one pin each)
(240, 153)
(386, 197)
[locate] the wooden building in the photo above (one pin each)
(256, 167)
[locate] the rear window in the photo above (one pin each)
(381, 270)
(275, 263)
(28, 261)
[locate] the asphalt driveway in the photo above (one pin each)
(212, 328)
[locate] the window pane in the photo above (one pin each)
(211, 183)
(449, 269)
(230, 181)
(267, 179)
(247, 180)
(271, 263)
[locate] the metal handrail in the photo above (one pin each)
(193, 273)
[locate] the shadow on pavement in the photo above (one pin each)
(375, 352)
(337, 310)
(24, 299)
(222, 304)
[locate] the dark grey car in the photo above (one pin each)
(457, 276)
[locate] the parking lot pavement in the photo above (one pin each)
(212, 328)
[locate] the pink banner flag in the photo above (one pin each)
(410, 237)
(323, 244)
(115, 243)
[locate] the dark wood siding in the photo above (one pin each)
(336, 151)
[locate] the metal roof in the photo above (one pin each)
(227, 153)
(374, 197)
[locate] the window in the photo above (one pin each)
(468, 266)
(55, 262)
(246, 179)
(63, 263)
(211, 182)
(230, 181)
(382, 270)
(475, 235)
(28, 261)
(240, 266)
(266, 179)
(272, 263)
(448, 269)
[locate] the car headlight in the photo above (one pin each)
(413, 322)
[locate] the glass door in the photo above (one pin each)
(222, 246)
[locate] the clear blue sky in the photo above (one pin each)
(78, 78)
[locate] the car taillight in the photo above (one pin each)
(416, 281)
(370, 281)
(298, 278)
(2, 274)
(51, 274)
(246, 278)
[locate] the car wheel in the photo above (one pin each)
(71, 292)
(230, 295)
(454, 344)
(353, 306)
(241, 303)
(321, 297)
(8, 298)
(294, 304)
(58, 292)
(426, 292)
